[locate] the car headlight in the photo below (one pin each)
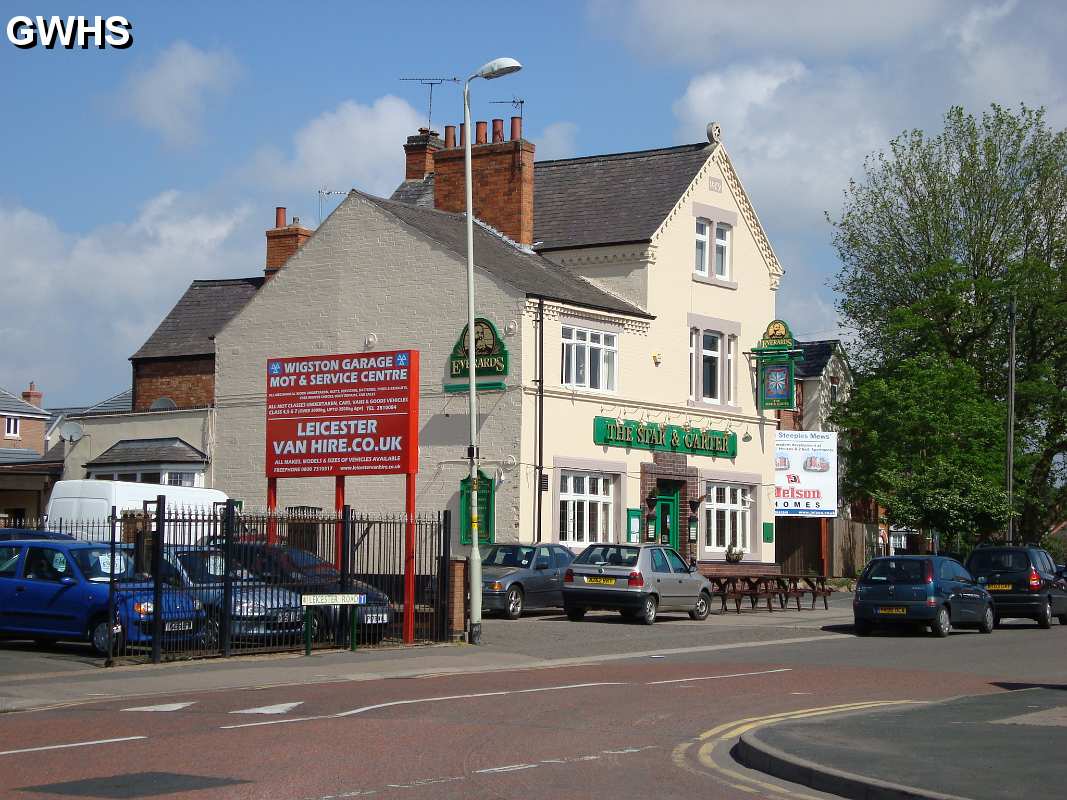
(145, 609)
(494, 586)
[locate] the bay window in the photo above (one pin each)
(589, 359)
(585, 508)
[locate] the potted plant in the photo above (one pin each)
(734, 554)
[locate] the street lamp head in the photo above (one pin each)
(497, 68)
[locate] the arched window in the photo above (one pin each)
(163, 404)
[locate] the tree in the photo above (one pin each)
(924, 441)
(935, 239)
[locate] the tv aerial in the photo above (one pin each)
(514, 102)
(429, 83)
(323, 194)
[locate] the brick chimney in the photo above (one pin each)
(503, 179)
(33, 396)
(419, 154)
(282, 241)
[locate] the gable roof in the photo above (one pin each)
(14, 405)
(816, 356)
(168, 450)
(496, 254)
(611, 199)
(190, 327)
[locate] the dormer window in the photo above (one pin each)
(701, 265)
(722, 250)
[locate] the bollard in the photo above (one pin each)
(307, 630)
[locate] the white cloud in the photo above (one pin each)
(557, 140)
(87, 302)
(353, 145)
(170, 97)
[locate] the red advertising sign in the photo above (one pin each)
(350, 414)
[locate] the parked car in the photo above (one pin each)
(1024, 582)
(58, 591)
(932, 591)
(636, 580)
(7, 534)
(257, 609)
(305, 573)
(519, 576)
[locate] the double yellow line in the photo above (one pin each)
(706, 764)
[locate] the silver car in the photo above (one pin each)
(636, 580)
(520, 576)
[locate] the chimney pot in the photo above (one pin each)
(516, 128)
(479, 132)
(462, 134)
(498, 130)
(32, 396)
(279, 217)
(282, 241)
(450, 136)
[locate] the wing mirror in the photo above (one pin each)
(67, 581)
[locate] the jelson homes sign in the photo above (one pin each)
(629, 433)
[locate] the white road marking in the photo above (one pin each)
(509, 768)
(280, 708)
(364, 709)
(72, 744)
(162, 707)
(718, 677)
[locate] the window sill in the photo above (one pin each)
(586, 390)
(728, 407)
(711, 280)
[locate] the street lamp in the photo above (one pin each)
(496, 68)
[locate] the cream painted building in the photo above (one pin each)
(627, 290)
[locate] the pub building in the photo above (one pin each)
(622, 304)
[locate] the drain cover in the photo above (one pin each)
(134, 785)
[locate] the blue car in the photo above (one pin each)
(7, 534)
(931, 591)
(58, 590)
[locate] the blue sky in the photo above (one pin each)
(130, 173)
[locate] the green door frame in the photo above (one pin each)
(668, 499)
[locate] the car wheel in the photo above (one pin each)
(98, 638)
(209, 634)
(575, 614)
(1044, 617)
(513, 603)
(648, 610)
(861, 627)
(942, 625)
(702, 607)
(988, 622)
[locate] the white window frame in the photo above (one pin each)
(732, 504)
(574, 505)
(726, 357)
(163, 471)
(12, 428)
(700, 256)
(715, 354)
(723, 245)
(576, 358)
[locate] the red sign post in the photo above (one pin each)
(348, 414)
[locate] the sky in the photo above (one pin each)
(129, 173)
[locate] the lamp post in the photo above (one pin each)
(496, 68)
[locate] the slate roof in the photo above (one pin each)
(610, 199)
(17, 455)
(149, 451)
(816, 356)
(123, 401)
(13, 404)
(190, 327)
(499, 256)
(597, 200)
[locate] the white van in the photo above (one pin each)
(86, 504)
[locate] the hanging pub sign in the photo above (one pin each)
(776, 358)
(490, 357)
(629, 433)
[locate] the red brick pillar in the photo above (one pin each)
(458, 609)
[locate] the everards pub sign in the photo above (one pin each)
(629, 433)
(490, 354)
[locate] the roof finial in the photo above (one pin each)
(714, 132)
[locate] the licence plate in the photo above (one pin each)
(998, 587)
(893, 611)
(183, 625)
(375, 619)
(600, 581)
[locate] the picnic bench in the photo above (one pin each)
(759, 589)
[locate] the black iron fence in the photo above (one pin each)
(174, 583)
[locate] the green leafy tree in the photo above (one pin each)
(935, 239)
(925, 443)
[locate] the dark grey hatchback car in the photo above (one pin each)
(520, 576)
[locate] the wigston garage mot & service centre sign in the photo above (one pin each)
(353, 414)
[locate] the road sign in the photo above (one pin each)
(333, 600)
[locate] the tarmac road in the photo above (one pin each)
(611, 726)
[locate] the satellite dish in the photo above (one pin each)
(71, 432)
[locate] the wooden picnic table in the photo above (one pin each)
(758, 587)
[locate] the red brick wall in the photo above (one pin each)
(673, 467)
(502, 185)
(419, 154)
(282, 243)
(188, 381)
(457, 597)
(31, 434)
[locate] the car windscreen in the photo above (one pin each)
(609, 555)
(96, 565)
(508, 557)
(998, 561)
(209, 566)
(890, 570)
